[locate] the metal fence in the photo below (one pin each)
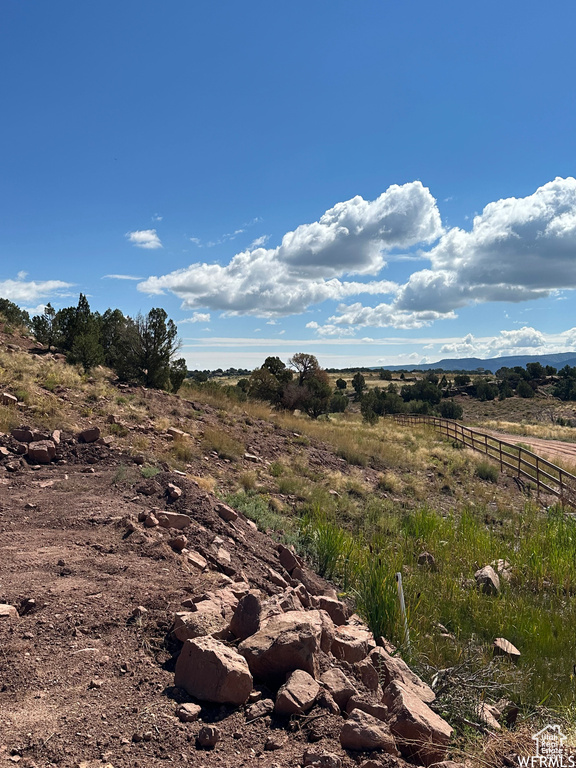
(524, 464)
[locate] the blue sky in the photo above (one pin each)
(372, 182)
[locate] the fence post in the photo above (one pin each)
(403, 610)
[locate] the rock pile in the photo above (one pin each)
(291, 650)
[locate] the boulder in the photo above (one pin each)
(22, 434)
(8, 611)
(352, 643)
(89, 435)
(394, 669)
(173, 520)
(287, 642)
(488, 580)
(367, 704)
(363, 732)
(275, 578)
(313, 583)
(365, 671)
(420, 733)
(178, 543)
(297, 695)
(207, 619)
(260, 709)
(41, 452)
(288, 558)
(246, 618)
(226, 512)
(338, 686)
(337, 610)
(211, 671)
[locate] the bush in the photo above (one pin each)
(450, 410)
(487, 471)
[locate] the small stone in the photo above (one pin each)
(138, 612)
(188, 713)
(173, 491)
(488, 581)
(260, 709)
(178, 543)
(8, 611)
(196, 560)
(151, 520)
(425, 559)
(503, 647)
(208, 736)
(96, 683)
(276, 741)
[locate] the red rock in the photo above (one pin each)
(188, 713)
(89, 435)
(208, 736)
(288, 558)
(337, 610)
(246, 618)
(394, 669)
(211, 671)
(22, 434)
(226, 512)
(41, 452)
(8, 611)
(318, 759)
(352, 643)
(338, 686)
(420, 733)
(297, 695)
(173, 520)
(366, 704)
(287, 642)
(363, 732)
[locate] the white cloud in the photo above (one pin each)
(32, 291)
(22, 275)
(259, 242)
(120, 277)
(157, 217)
(144, 238)
(306, 268)
(197, 317)
(517, 249)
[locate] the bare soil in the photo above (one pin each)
(84, 683)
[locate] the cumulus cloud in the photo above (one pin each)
(517, 249)
(144, 238)
(305, 269)
(31, 291)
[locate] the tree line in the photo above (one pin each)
(140, 350)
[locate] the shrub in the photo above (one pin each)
(225, 446)
(485, 470)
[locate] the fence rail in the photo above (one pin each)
(524, 464)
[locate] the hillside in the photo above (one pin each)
(107, 583)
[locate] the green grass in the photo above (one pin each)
(485, 470)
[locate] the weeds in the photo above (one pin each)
(225, 446)
(485, 470)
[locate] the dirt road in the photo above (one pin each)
(553, 450)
